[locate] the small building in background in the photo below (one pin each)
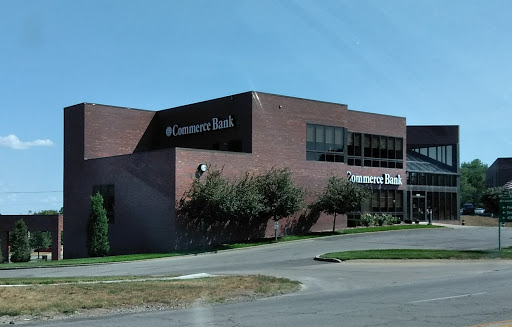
(500, 173)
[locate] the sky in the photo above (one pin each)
(435, 62)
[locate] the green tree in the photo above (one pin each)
(208, 198)
(97, 236)
(340, 197)
(281, 198)
(491, 198)
(46, 212)
(20, 246)
(215, 198)
(472, 181)
(40, 240)
(247, 201)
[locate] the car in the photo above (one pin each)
(468, 209)
(479, 211)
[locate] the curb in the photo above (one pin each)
(333, 260)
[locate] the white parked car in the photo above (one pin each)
(479, 211)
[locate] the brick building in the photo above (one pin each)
(500, 173)
(143, 161)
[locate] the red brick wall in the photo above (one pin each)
(279, 140)
(149, 183)
(112, 131)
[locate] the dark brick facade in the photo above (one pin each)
(129, 149)
(499, 173)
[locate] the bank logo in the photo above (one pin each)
(385, 179)
(168, 131)
(212, 125)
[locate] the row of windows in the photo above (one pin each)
(384, 201)
(431, 179)
(351, 161)
(443, 205)
(443, 154)
(327, 143)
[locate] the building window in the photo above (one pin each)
(108, 194)
(431, 179)
(442, 153)
(386, 201)
(324, 143)
(379, 151)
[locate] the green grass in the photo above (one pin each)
(347, 231)
(385, 228)
(66, 280)
(239, 245)
(85, 261)
(420, 254)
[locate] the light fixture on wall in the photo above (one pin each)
(201, 169)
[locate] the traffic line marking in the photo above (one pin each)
(504, 323)
(448, 297)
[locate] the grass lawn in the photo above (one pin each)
(145, 256)
(67, 295)
(419, 254)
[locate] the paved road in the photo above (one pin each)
(419, 293)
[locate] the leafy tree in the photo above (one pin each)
(208, 198)
(215, 198)
(340, 197)
(281, 198)
(247, 200)
(20, 246)
(491, 198)
(97, 236)
(46, 212)
(40, 240)
(472, 181)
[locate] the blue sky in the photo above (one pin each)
(446, 62)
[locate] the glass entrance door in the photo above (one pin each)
(419, 211)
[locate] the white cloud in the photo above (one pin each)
(12, 141)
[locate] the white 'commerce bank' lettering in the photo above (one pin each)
(214, 124)
(385, 179)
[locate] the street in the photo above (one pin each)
(359, 293)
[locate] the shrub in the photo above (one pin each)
(20, 246)
(379, 220)
(366, 220)
(97, 241)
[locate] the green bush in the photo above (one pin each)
(379, 220)
(97, 236)
(366, 220)
(20, 246)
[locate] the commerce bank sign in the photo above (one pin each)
(384, 179)
(212, 125)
